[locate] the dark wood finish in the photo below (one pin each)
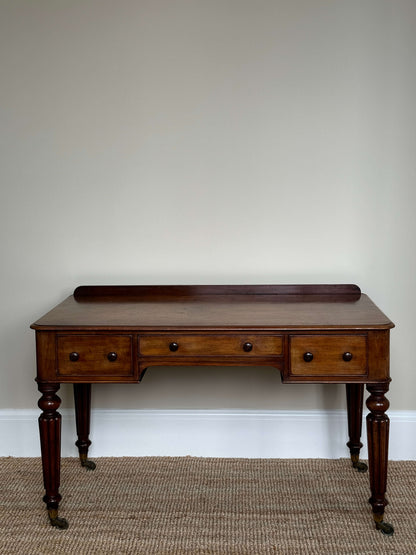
(378, 424)
(82, 400)
(109, 355)
(178, 291)
(209, 344)
(309, 333)
(213, 307)
(355, 395)
(322, 355)
(50, 443)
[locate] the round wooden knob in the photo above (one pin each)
(73, 357)
(347, 356)
(112, 356)
(173, 346)
(248, 347)
(307, 357)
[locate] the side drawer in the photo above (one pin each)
(177, 345)
(94, 355)
(328, 355)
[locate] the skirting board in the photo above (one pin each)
(206, 433)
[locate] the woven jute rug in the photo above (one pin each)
(163, 505)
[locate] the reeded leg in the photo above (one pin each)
(378, 440)
(355, 393)
(82, 398)
(50, 441)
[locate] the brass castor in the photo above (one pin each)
(360, 466)
(89, 465)
(385, 527)
(56, 520)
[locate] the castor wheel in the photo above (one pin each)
(360, 466)
(89, 465)
(357, 464)
(57, 521)
(384, 527)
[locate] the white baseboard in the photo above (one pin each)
(206, 433)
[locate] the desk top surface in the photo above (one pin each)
(217, 307)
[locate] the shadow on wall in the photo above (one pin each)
(210, 387)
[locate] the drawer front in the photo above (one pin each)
(330, 355)
(83, 355)
(210, 345)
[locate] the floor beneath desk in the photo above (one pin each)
(162, 505)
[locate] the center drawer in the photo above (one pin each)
(210, 345)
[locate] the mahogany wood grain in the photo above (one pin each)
(309, 333)
(355, 397)
(82, 400)
(92, 310)
(210, 344)
(378, 425)
(105, 355)
(178, 291)
(326, 352)
(50, 442)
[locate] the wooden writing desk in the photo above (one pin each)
(309, 333)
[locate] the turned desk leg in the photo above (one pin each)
(82, 398)
(378, 442)
(50, 441)
(355, 394)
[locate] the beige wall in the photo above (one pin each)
(220, 141)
